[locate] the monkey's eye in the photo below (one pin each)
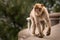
(40, 9)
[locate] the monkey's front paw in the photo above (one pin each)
(33, 34)
(48, 32)
(40, 35)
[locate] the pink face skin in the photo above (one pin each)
(38, 8)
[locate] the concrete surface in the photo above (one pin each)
(55, 34)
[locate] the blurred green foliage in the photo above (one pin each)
(13, 14)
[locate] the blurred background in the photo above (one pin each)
(13, 14)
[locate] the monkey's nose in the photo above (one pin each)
(40, 9)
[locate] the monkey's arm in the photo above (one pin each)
(32, 18)
(48, 22)
(47, 17)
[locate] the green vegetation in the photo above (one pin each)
(13, 14)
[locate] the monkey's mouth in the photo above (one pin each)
(38, 10)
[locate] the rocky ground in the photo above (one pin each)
(55, 34)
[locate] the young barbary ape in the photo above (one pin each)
(40, 17)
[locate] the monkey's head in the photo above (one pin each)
(38, 7)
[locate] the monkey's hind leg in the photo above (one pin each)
(40, 35)
(48, 32)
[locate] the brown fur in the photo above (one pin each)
(40, 17)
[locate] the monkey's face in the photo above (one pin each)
(38, 8)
